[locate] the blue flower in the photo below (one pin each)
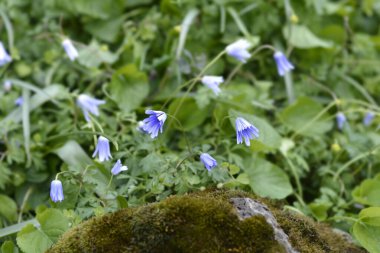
(56, 191)
(118, 167)
(89, 105)
(71, 51)
(340, 120)
(19, 101)
(154, 122)
(368, 118)
(283, 64)
(213, 83)
(7, 85)
(245, 130)
(103, 149)
(239, 50)
(208, 161)
(4, 56)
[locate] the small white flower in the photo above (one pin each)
(4, 56)
(213, 83)
(70, 49)
(239, 50)
(7, 85)
(118, 167)
(89, 105)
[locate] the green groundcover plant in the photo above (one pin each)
(110, 104)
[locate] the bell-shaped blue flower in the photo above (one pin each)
(213, 83)
(4, 56)
(154, 123)
(118, 167)
(56, 191)
(19, 101)
(7, 85)
(239, 50)
(103, 149)
(340, 120)
(208, 161)
(368, 118)
(283, 64)
(245, 130)
(71, 51)
(89, 105)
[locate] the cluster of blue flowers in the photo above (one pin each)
(154, 123)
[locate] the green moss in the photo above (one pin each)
(199, 222)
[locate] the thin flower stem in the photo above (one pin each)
(62, 172)
(175, 92)
(194, 81)
(25, 199)
(352, 219)
(355, 159)
(183, 132)
(320, 114)
(295, 175)
(79, 132)
(237, 68)
(109, 183)
(184, 159)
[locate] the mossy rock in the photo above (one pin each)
(198, 222)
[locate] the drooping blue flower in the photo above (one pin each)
(4, 56)
(103, 149)
(283, 64)
(245, 130)
(19, 101)
(239, 50)
(118, 167)
(7, 85)
(56, 191)
(154, 122)
(213, 83)
(140, 127)
(368, 118)
(340, 120)
(71, 51)
(208, 161)
(89, 105)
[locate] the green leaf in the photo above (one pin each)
(266, 179)
(299, 117)
(319, 210)
(93, 55)
(8, 247)
(368, 192)
(73, 155)
(32, 240)
(94, 8)
(49, 93)
(106, 30)
(367, 229)
(129, 87)
(269, 139)
(8, 208)
(243, 178)
(189, 115)
(301, 37)
(52, 225)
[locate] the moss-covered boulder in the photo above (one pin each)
(200, 222)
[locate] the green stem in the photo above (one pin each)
(320, 114)
(183, 132)
(353, 160)
(192, 84)
(295, 175)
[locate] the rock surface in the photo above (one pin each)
(215, 221)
